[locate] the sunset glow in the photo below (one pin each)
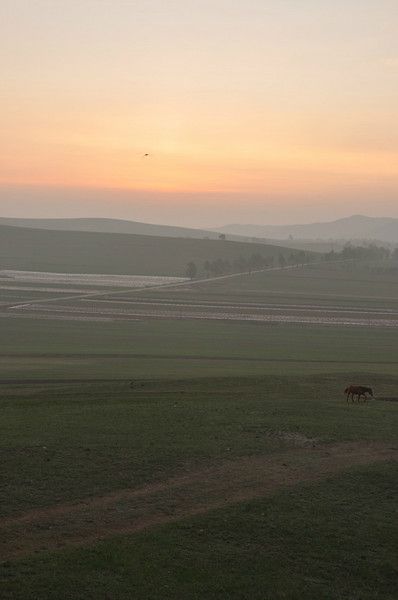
(274, 99)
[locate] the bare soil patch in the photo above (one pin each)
(132, 510)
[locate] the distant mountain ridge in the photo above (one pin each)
(357, 227)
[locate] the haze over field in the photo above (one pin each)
(350, 228)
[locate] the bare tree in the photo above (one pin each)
(191, 270)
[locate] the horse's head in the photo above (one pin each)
(346, 390)
(370, 391)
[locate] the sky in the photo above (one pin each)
(260, 111)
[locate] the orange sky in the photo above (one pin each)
(265, 99)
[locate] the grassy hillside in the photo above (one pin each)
(92, 252)
(101, 225)
(109, 226)
(138, 228)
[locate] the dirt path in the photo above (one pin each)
(175, 284)
(223, 484)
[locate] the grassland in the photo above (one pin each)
(160, 426)
(109, 226)
(66, 444)
(263, 550)
(118, 254)
(47, 349)
(339, 283)
(233, 468)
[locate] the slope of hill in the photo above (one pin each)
(354, 227)
(109, 226)
(93, 252)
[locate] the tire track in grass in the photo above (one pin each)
(221, 484)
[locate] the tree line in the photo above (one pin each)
(242, 264)
(370, 252)
(256, 261)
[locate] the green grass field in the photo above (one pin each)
(327, 541)
(72, 442)
(39, 348)
(233, 468)
(160, 426)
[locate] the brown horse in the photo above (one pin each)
(358, 390)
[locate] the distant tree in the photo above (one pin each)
(370, 252)
(191, 270)
(331, 255)
(297, 258)
(302, 256)
(256, 261)
(207, 268)
(222, 236)
(282, 260)
(240, 265)
(220, 266)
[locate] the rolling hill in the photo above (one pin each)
(111, 226)
(356, 227)
(92, 252)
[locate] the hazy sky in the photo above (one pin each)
(261, 111)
